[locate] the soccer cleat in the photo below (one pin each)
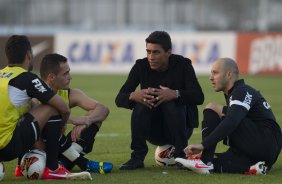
(196, 165)
(257, 169)
(18, 171)
(99, 167)
(59, 173)
(63, 173)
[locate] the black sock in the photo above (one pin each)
(51, 134)
(210, 121)
(87, 138)
(81, 162)
(66, 162)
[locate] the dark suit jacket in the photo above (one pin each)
(179, 76)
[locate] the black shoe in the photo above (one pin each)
(132, 164)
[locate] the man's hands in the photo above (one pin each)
(153, 97)
(76, 132)
(164, 94)
(80, 123)
(144, 97)
(193, 149)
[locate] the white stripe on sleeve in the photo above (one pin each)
(237, 102)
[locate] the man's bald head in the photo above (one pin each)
(229, 65)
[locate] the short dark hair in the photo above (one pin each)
(51, 64)
(160, 37)
(16, 48)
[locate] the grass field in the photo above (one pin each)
(113, 140)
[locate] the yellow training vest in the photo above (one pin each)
(65, 95)
(9, 114)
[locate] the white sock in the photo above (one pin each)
(77, 147)
(71, 154)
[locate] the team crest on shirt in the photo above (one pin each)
(266, 105)
(38, 85)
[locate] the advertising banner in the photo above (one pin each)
(100, 52)
(204, 48)
(112, 52)
(259, 53)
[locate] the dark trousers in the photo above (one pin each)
(165, 124)
(249, 143)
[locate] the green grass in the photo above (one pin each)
(113, 140)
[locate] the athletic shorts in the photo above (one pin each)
(25, 135)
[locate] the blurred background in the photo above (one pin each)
(107, 36)
(41, 16)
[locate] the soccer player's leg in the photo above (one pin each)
(25, 135)
(232, 161)
(73, 152)
(203, 164)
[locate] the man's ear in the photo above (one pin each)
(51, 77)
(29, 55)
(169, 52)
(230, 74)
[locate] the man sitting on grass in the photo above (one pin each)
(247, 124)
(55, 72)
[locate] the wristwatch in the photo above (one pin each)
(177, 93)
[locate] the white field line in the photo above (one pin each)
(124, 135)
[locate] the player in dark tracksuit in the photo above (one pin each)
(248, 127)
(247, 124)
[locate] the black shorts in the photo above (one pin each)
(25, 135)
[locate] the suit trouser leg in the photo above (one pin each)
(174, 117)
(140, 125)
(174, 121)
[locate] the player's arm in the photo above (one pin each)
(35, 102)
(238, 109)
(58, 103)
(37, 88)
(96, 112)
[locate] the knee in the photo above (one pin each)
(211, 105)
(99, 124)
(215, 107)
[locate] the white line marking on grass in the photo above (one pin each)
(123, 135)
(112, 135)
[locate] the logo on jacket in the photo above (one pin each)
(248, 99)
(38, 85)
(266, 105)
